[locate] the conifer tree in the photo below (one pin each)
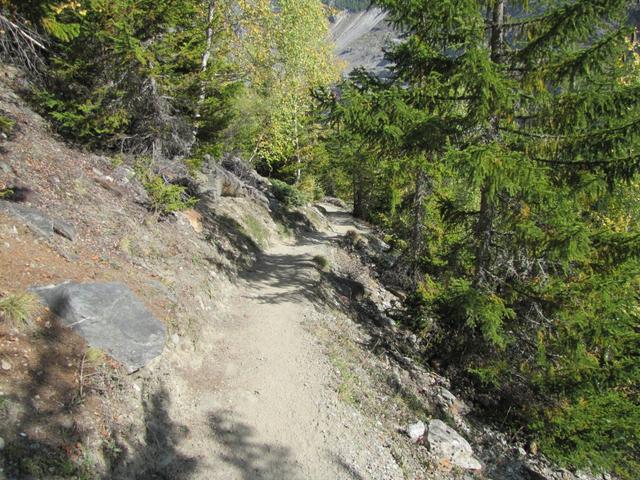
(522, 120)
(133, 77)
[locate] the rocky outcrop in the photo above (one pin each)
(39, 222)
(232, 177)
(336, 202)
(108, 316)
(245, 173)
(449, 448)
(416, 431)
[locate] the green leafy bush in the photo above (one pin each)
(310, 188)
(6, 125)
(6, 192)
(322, 262)
(194, 165)
(165, 198)
(600, 429)
(288, 194)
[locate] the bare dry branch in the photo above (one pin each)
(21, 45)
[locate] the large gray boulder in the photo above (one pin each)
(218, 182)
(449, 447)
(108, 316)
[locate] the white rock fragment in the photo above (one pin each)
(416, 431)
(448, 446)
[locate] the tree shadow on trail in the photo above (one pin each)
(254, 460)
(282, 278)
(262, 461)
(41, 402)
(157, 458)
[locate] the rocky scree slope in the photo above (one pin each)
(360, 39)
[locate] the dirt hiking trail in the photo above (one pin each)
(259, 401)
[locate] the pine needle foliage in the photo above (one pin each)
(129, 74)
(499, 151)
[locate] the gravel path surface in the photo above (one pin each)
(261, 401)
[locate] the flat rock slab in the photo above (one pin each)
(39, 222)
(108, 316)
(449, 447)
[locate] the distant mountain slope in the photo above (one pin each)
(360, 38)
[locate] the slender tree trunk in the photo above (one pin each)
(297, 147)
(424, 188)
(497, 31)
(484, 226)
(204, 64)
(358, 178)
(483, 232)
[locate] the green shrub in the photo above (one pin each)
(601, 429)
(310, 188)
(6, 192)
(165, 198)
(117, 160)
(321, 262)
(288, 194)
(6, 125)
(194, 164)
(18, 308)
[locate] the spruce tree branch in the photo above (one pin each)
(520, 23)
(563, 16)
(577, 137)
(583, 55)
(521, 291)
(586, 163)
